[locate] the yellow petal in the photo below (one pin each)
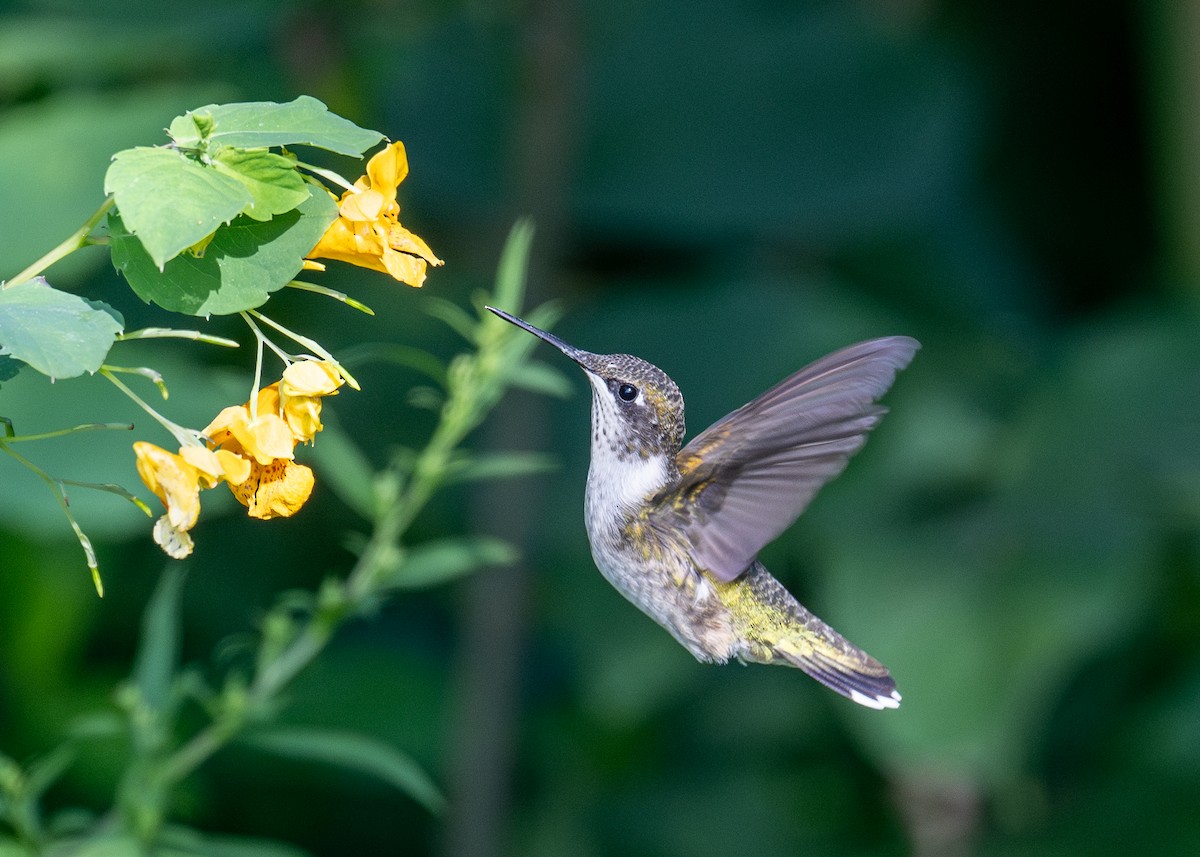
(310, 378)
(265, 438)
(206, 462)
(235, 467)
(399, 238)
(387, 168)
(368, 234)
(174, 481)
(219, 430)
(344, 242)
(405, 268)
(278, 489)
(366, 206)
(269, 400)
(303, 416)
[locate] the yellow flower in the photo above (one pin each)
(272, 490)
(176, 480)
(367, 231)
(264, 436)
(173, 480)
(300, 393)
(250, 451)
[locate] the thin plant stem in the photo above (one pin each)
(172, 333)
(48, 435)
(78, 238)
(55, 486)
(300, 285)
(259, 340)
(181, 434)
(469, 400)
(311, 344)
(328, 175)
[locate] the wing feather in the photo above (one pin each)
(752, 473)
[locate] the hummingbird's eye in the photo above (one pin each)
(627, 392)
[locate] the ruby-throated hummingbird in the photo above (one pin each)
(677, 530)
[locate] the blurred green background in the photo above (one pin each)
(730, 190)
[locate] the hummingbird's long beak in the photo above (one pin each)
(576, 354)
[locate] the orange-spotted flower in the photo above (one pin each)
(250, 449)
(367, 231)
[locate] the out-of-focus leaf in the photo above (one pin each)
(392, 352)
(355, 751)
(46, 770)
(438, 562)
(74, 51)
(107, 845)
(344, 468)
(503, 465)
(987, 610)
(169, 201)
(454, 316)
(272, 180)
(59, 334)
(158, 652)
(514, 266)
(188, 841)
(97, 725)
(13, 848)
(243, 264)
(250, 125)
(540, 378)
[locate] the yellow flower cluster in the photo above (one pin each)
(367, 231)
(250, 448)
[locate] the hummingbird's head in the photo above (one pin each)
(636, 408)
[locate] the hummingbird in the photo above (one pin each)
(677, 529)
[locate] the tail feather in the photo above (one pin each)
(781, 630)
(870, 688)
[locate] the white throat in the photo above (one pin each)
(618, 479)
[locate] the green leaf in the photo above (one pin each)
(503, 465)
(272, 180)
(46, 770)
(514, 263)
(59, 334)
(354, 751)
(158, 654)
(242, 265)
(417, 359)
(540, 378)
(169, 201)
(109, 845)
(345, 469)
(51, 171)
(188, 841)
(454, 316)
(13, 848)
(441, 561)
(250, 125)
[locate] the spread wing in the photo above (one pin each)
(751, 474)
